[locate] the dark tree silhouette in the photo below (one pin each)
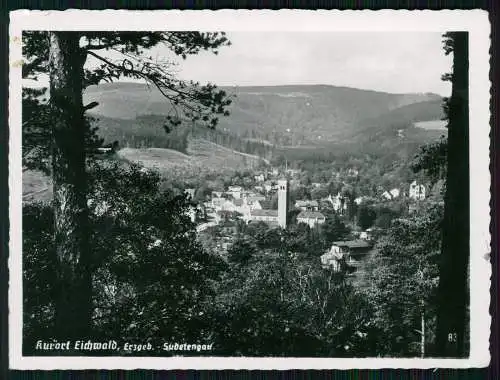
(453, 294)
(62, 55)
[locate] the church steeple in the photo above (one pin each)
(282, 202)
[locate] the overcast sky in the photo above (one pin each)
(396, 62)
(392, 62)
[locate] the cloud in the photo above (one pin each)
(393, 62)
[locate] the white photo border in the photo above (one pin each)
(473, 21)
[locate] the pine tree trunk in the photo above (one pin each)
(73, 302)
(422, 329)
(453, 292)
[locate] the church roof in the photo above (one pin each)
(264, 213)
(265, 204)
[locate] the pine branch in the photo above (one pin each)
(157, 76)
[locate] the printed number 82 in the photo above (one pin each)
(452, 337)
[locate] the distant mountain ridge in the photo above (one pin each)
(291, 116)
(284, 115)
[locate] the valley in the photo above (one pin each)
(268, 125)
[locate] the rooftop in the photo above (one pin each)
(256, 198)
(310, 215)
(270, 223)
(264, 213)
(352, 243)
(306, 202)
(265, 204)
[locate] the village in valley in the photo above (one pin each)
(273, 203)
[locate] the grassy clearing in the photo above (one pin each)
(203, 157)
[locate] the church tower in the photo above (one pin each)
(282, 202)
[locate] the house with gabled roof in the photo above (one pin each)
(307, 205)
(311, 218)
(346, 254)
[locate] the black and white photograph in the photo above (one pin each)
(199, 189)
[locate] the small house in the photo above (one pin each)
(260, 177)
(307, 205)
(417, 192)
(346, 254)
(311, 218)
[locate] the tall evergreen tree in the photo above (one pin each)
(62, 55)
(453, 292)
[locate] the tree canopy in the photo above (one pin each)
(60, 138)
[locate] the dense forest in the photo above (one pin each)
(153, 131)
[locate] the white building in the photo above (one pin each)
(350, 253)
(311, 218)
(359, 200)
(260, 177)
(234, 191)
(394, 193)
(333, 258)
(338, 202)
(366, 235)
(268, 216)
(307, 205)
(417, 192)
(352, 172)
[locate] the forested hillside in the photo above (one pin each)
(281, 115)
(301, 122)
